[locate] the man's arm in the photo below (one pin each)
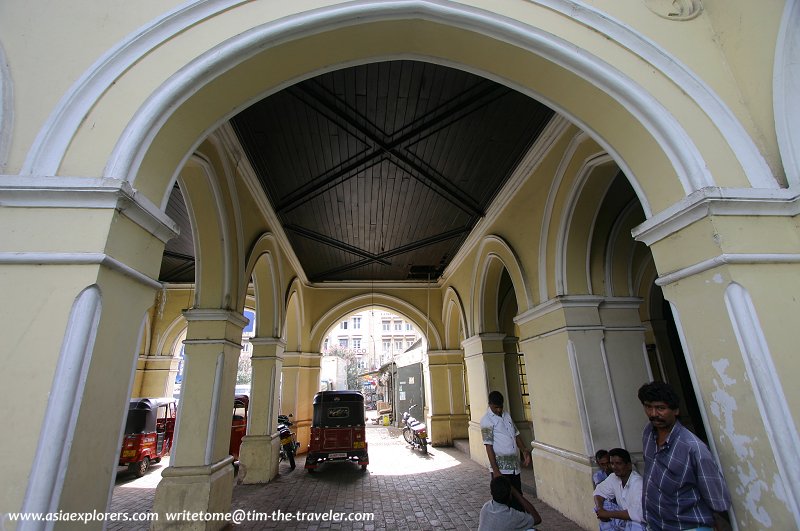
(710, 482)
(525, 451)
(528, 506)
(605, 515)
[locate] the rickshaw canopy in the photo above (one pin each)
(338, 408)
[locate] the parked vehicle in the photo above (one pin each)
(149, 430)
(415, 432)
(289, 444)
(337, 429)
(238, 424)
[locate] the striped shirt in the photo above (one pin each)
(683, 486)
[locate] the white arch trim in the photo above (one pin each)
(178, 322)
(224, 227)
(786, 86)
(495, 248)
(555, 184)
(294, 291)
(591, 162)
(53, 140)
(452, 298)
(268, 245)
(379, 299)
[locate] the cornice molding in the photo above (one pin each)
(215, 314)
(727, 259)
(66, 259)
(714, 201)
(87, 192)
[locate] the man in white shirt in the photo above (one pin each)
(503, 444)
(625, 485)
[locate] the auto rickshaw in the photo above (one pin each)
(149, 431)
(238, 424)
(337, 429)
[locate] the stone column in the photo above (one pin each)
(78, 263)
(586, 358)
(729, 268)
(301, 372)
(200, 475)
(484, 355)
(447, 416)
(258, 455)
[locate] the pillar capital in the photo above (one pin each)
(483, 343)
(215, 314)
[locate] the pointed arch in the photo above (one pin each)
(494, 255)
(264, 266)
(455, 319)
(292, 333)
(211, 232)
(353, 304)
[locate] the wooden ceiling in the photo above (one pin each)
(380, 171)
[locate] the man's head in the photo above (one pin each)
(496, 402)
(660, 403)
(620, 462)
(602, 459)
(501, 489)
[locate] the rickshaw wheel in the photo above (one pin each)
(141, 467)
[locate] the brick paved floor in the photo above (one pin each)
(402, 488)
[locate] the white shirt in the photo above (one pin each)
(496, 516)
(628, 497)
(501, 433)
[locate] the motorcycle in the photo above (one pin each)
(289, 444)
(415, 432)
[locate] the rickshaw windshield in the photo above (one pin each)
(338, 408)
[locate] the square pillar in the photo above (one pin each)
(258, 455)
(447, 416)
(200, 475)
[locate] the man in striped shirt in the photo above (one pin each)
(683, 487)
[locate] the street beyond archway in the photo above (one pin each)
(402, 488)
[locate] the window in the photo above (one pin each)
(356, 342)
(398, 325)
(387, 345)
(409, 343)
(409, 327)
(344, 325)
(343, 342)
(385, 325)
(356, 322)
(325, 344)
(398, 345)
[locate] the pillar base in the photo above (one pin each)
(443, 429)
(258, 459)
(193, 490)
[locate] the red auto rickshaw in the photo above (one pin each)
(337, 429)
(239, 424)
(149, 431)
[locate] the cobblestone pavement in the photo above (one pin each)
(402, 488)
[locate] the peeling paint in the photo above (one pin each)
(750, 487)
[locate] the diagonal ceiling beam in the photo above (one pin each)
(332, 242)
(437, 238)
